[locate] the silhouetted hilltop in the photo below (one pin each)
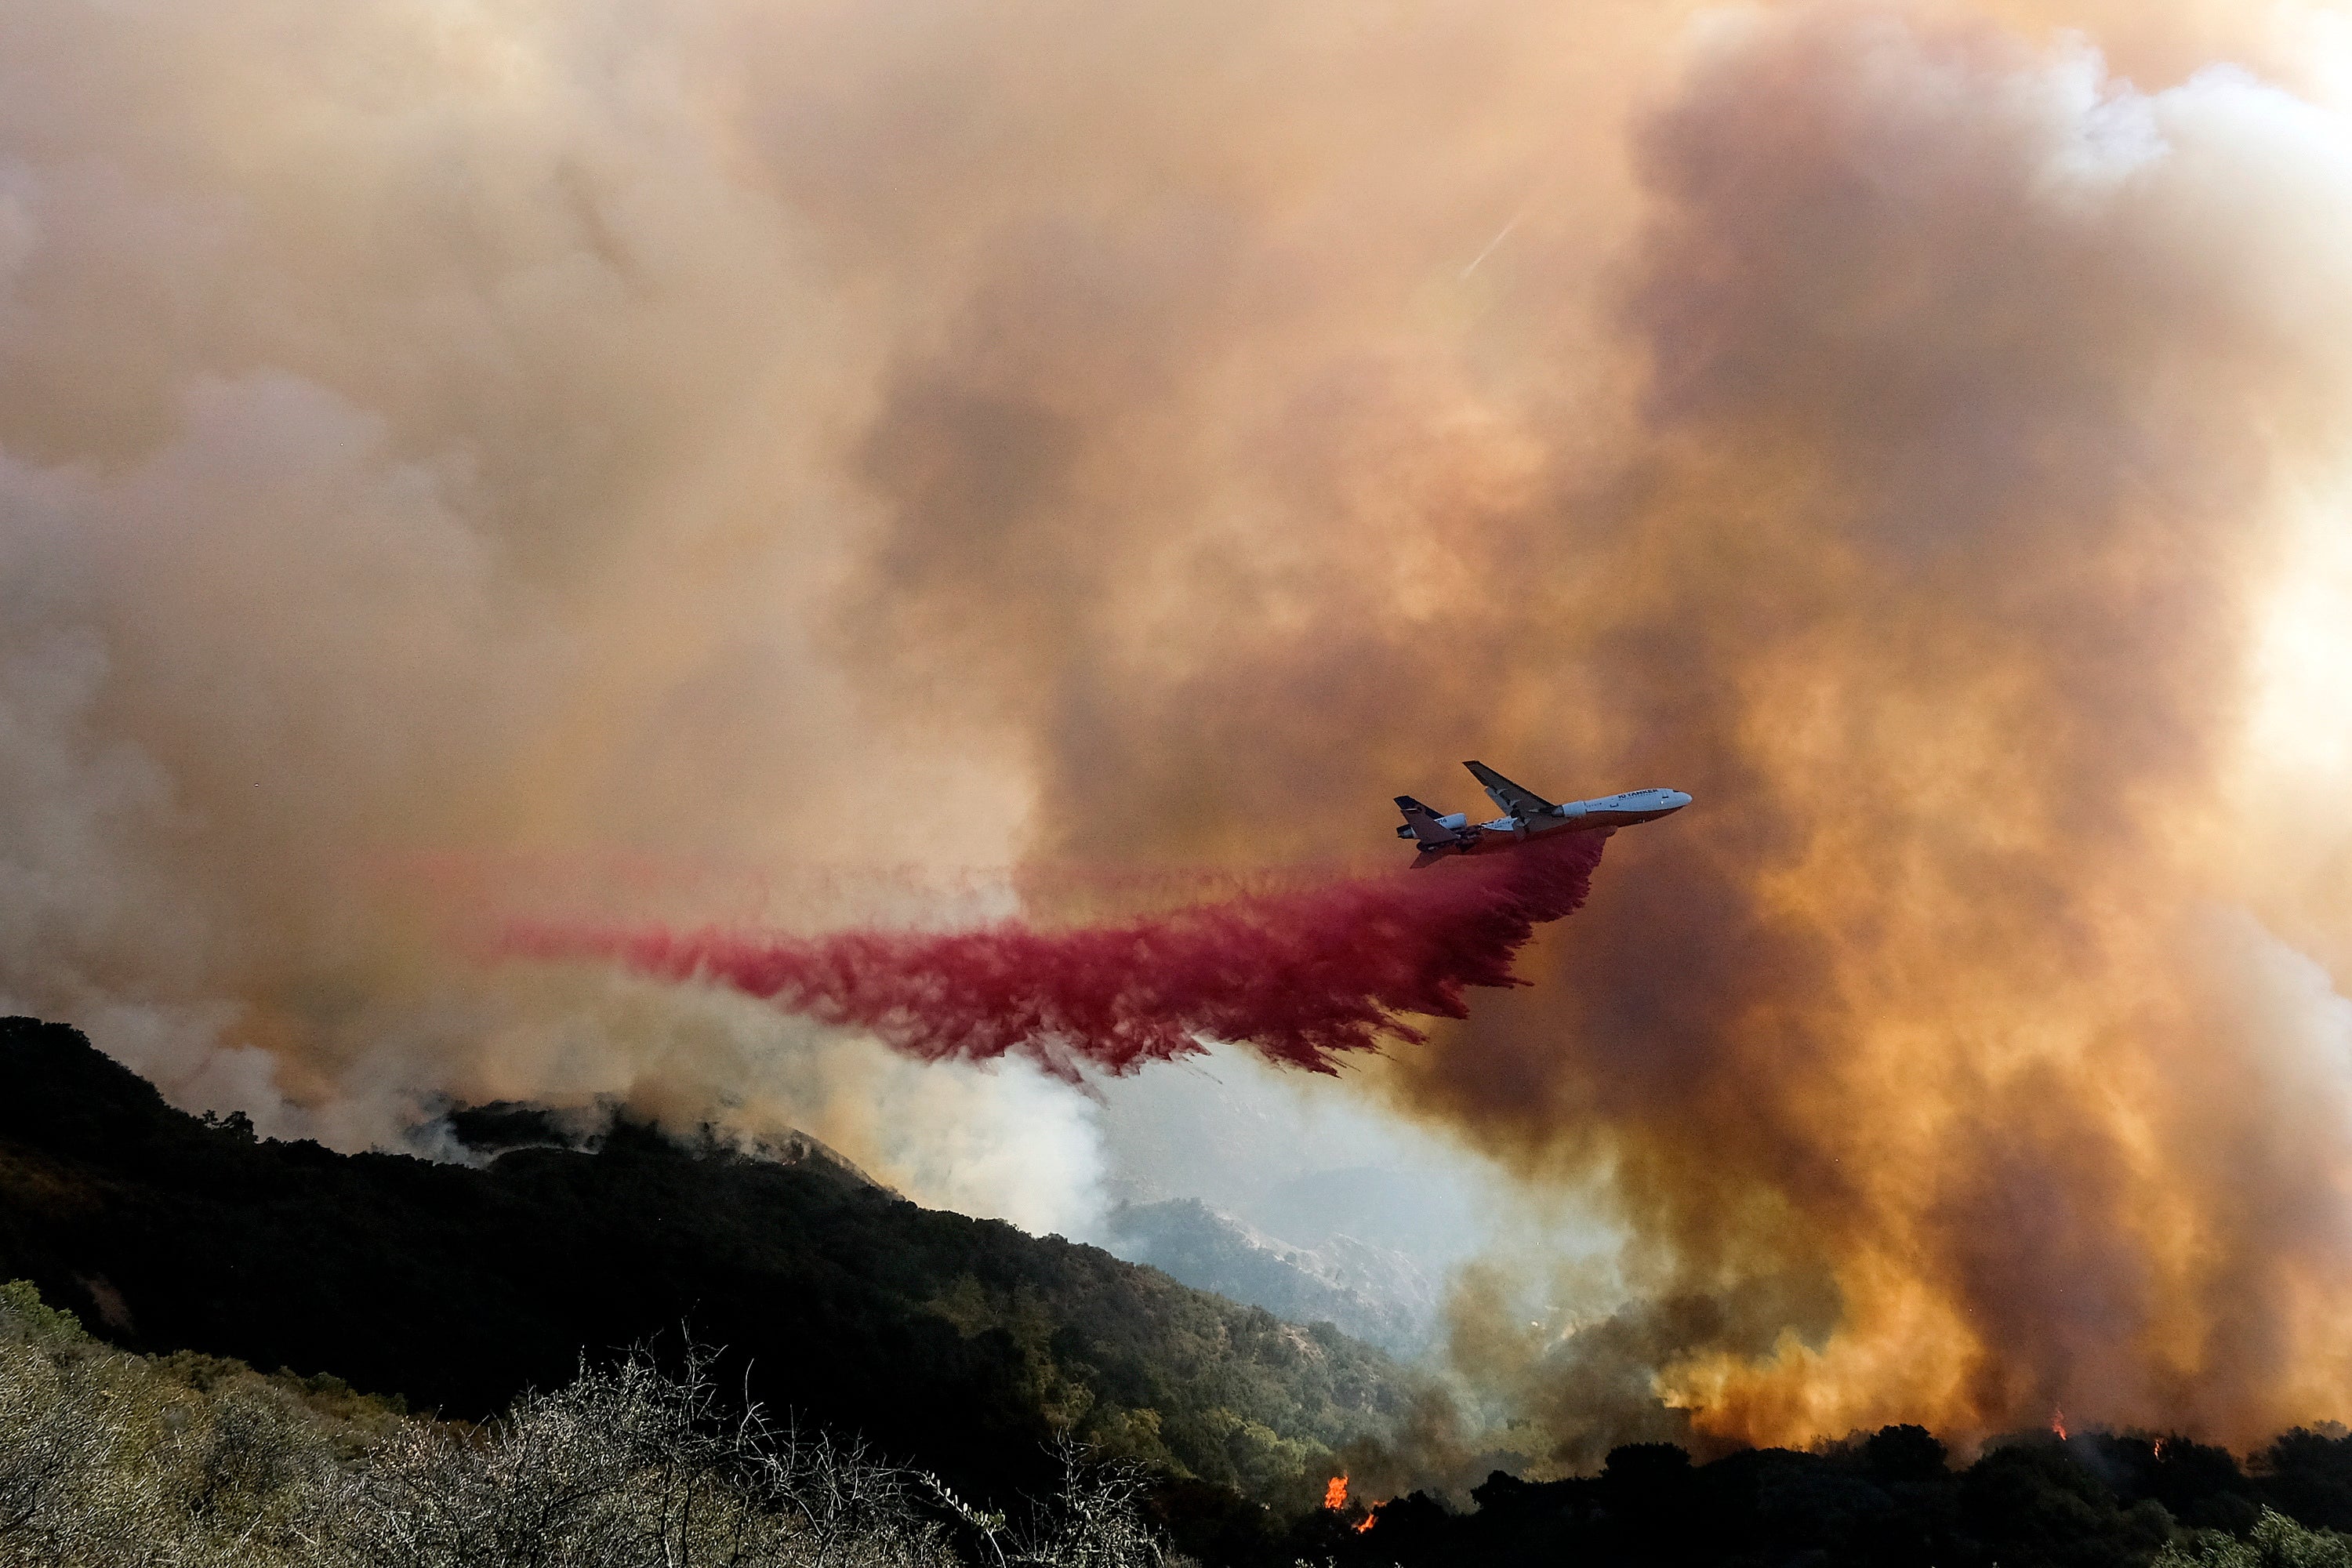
(2098, 1499)
(954, 1341)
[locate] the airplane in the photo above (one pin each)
(1526, 815)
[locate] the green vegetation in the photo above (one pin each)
(2100, 1499)
(963, 1345)
(500, 1302)
(2274, 1541)
(112, 1460)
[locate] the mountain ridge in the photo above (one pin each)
(962, 1343)
(1371, 1293)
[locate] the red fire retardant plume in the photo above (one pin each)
(1304, 975)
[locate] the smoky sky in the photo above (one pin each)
(1909, 504)
(1111, 440)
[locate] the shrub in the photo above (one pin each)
(112, 1460)
(2275, 1542)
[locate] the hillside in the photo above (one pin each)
(955, 1343)
(1371, 1292)
(959, 1342)
(1893, 1500)
(114, 1461)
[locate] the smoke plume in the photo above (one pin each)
(1914, 484)
(1306, 976)
(1157, 435)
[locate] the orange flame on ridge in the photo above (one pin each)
(1335, 1494)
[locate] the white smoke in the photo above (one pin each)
(400, 457)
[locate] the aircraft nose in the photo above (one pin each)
(1676, 800)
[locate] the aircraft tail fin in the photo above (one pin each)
(1425, 826)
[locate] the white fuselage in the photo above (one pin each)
(1604, 814)
(1607, 811)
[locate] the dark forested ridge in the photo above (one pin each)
(957, 1343)
(1894, 1499)
(962, 1345)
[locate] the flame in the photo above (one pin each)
(1335, 1494)
(1366, 1523)
(2058, 1422)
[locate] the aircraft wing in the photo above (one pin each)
(1519, 802)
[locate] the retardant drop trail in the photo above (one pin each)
(1304, 975)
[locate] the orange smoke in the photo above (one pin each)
(1909, 485)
